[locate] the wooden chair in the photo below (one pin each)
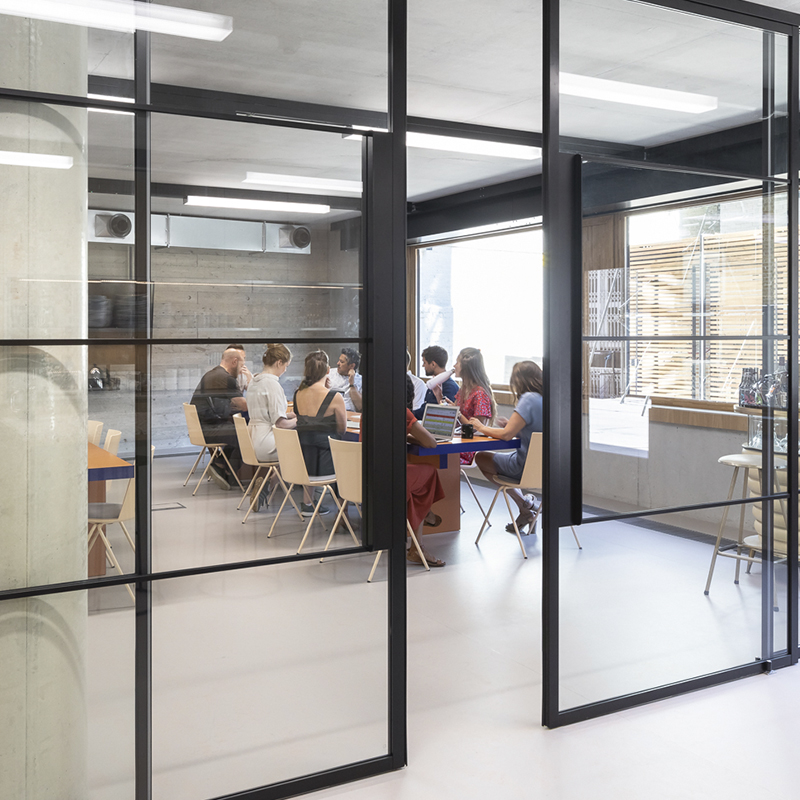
(112, 441)
(347, 463)
(94, 430)
(101, 514)
(531, 479)
(294, 472)
(249, 457)
(198, 439)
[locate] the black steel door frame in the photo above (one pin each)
(563, 340)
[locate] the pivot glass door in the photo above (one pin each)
(673, 249)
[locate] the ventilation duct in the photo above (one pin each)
(201, 233)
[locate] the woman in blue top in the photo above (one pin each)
(526, 386)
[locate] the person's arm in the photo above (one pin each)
(286, 422)
(238, 404)
(418, 435)
(354, 391)
(511, 429)
(438, 380)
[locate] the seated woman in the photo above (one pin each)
(320, 414)
(526, 386)
(266, 402)
(475, 397)
(423, 487)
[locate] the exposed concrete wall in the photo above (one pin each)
(43, 493)
(213, 293)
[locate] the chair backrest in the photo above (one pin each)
(128, 510)
(532, 473)
(112, 441)
(196, 436)
(347, 465)
(94, 429)
(245, 442)
(290, 456)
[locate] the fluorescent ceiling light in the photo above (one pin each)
(15, 159)
(430, 141)
(124, 15)
(635, 94)
(255, 205)
(110, 110)
(302, 184)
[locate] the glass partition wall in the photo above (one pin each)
(681, 288)
(164, 634)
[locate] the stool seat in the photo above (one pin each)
(751, 460)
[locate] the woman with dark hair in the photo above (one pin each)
(526, 386)
(267, 402)
(320, 414)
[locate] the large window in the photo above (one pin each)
(485, 293)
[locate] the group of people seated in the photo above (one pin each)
(326, 394)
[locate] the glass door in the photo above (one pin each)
(670, 133)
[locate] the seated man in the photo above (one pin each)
(346, 380)
(434, 362)
(217, 398)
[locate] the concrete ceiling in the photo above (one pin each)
(468, 61)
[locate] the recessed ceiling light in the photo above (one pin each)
(302, 184)
(480, 147)
(255, 205)
(635, 94)
(15, 159)
(124, 15)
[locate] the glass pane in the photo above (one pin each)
(452, 275)
(467, 77)
(331, 53)
(67, 695)
(195, 521)
(284, 264)
(266, 674)
(44, 54)
(631, 87)
(631, 620)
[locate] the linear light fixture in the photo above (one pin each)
(110, 110)
(124, 15)
(255, 205)
(304, 185)
(635, 94)
(454, 144)
(15, 159)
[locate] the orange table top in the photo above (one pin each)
(105, 467)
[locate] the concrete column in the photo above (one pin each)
(43, 491)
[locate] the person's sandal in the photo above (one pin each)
(437, 520)
(413, 556)
(524, 520)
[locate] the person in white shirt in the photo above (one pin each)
(420, 389)
(346, 380)
(266, 402)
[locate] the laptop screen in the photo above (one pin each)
(440, 420)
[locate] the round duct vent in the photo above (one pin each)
(301, 237)
(119, 225)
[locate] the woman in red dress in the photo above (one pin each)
(474, 398)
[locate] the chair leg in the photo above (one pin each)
(113, 558)
(719, 532)
(374, 565)
(233, 471)
(740, 540)
(314, 516)
(514, 522)
(194, 466)
(288, 495)
(127, 535)
(256, 495)
(488, 514)
(577, 540)
(205, 471)
(472, 489)
(416, 544)
(249, 487)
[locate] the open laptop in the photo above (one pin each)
(440, 421)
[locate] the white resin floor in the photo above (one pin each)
(266, 674)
